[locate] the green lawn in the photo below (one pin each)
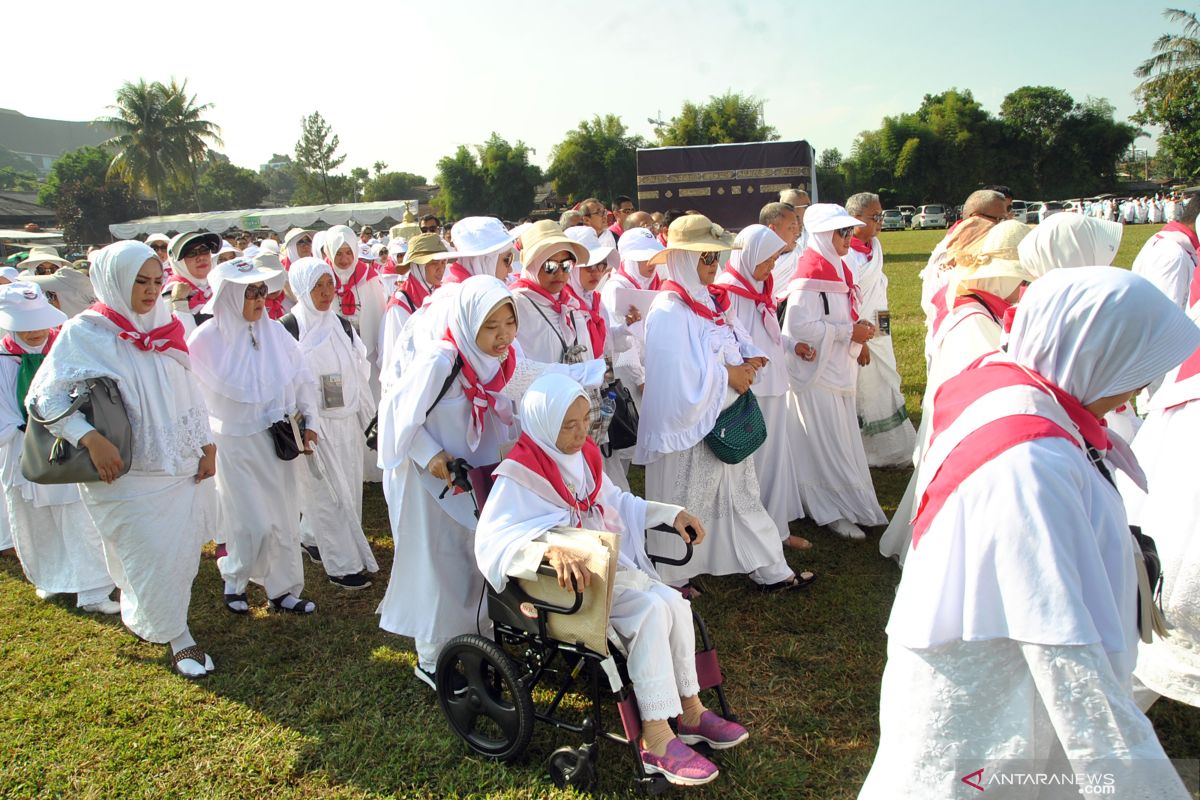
(327, 707)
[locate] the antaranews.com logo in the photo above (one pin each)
(1087, 784)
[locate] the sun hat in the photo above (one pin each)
(294, 234)
(9, 273)
(586, 236)
(242, 271)
(183, 241)
(365, 253)
(695, 233)
(480, 236)
(158, 237)
(269, 246)
(42, 255)
(426, 247)
(825, 217)
(267, 261)
(24, 307)
(544, 238)
(638, 244)
(397, 246)
(73, 287)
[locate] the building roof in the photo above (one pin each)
(22, 207)
(47, 137)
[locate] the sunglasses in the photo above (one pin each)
(197, 251)
(551, 267)
(304, 241)
(256, 291)
(845, 233)
(997, 220)
(430, 228)
(158, 246)
(708, 259)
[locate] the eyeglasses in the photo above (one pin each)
(45, 269)
(877, 217)
(551, 267)
(989, 216)
(256, 291)
(197, 251)
(304, 241)
(845, 233)
(430, 228)
(598, 267)
(594, 213)
(629, 210)
(708, 259)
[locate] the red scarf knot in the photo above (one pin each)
(699, 309)
(528, 454)
(158, 340)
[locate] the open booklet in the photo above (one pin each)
(589, 625)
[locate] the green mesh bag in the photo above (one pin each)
(740, 430)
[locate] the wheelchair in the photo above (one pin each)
(495, 713)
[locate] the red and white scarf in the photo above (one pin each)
(562, 305)
(536, 467)
(596, 324)
(655, 281)
(481, 395)
(11, 345)
(363, 272)
(410, 289)
(763, 300)
(198, 297)
(814, 273)
(167, 339)
(699, 309)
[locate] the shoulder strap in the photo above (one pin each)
(291, 325)
(561, 340)
(454, 371)
(346, 326)
(997, 320)
(825, 302)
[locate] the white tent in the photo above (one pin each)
(279, 220)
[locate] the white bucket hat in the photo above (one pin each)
(24, 307)
(241, 272)
(365, 253)
(588, 238)
(480, 236)
(825, 217)
(638, 244)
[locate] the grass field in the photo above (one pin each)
(327, 707)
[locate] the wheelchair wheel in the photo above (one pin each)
(494, 713)
(571, 766)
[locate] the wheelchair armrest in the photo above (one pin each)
(542, 605)
(687, 543)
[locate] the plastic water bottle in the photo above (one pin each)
(608, 407)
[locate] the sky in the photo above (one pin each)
(406, 83)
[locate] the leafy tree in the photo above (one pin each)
(18, 180)
(188, 132)
(1169, 94)
(143, 154)
(1036, 116)
(391, 186)
(496, 179)
(378, 168)
(316, 152)
(596, 159)
(358, 179)
(280, 181)
(227, 187)
(85, 198)
(831, 183)
(731, 117)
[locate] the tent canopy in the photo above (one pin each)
(279, 220)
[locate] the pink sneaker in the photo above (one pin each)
(680, 765)
(713, 730)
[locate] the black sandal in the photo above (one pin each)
(801, 581)
(237, 598)
(302, 606)
(195, 653)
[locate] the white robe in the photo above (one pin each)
(1017, 642)
(834, 480)
(650, 622)
(1170, 514)
(367, 320)
(887, 432)
(1168, 261)
(59, 547)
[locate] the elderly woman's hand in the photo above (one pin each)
(806, 351)
(310, 438)
(685, 520)
(864, 357)
(569, 564)
(105, 455)
(740, 377)
(439, 466)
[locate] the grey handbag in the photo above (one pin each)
(45, 458)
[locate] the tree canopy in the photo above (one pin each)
(317, 158)
(1169, 94)
(84, 196)
(496, 179)
(731, 117)
(596, 159)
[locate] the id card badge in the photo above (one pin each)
(883, 321)
(331, 391)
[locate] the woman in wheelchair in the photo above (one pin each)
(554, 478)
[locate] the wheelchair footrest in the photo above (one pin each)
(708, 669)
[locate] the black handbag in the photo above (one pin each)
(47, 459)
(288, 437)
(623, 429)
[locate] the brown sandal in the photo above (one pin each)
(195, 653)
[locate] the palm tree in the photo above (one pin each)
(188, 133)
(142, 157)
(1175, 65)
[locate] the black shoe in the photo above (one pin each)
(352, 582)
(458, 682)
(313, 552)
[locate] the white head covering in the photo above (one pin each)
(248, 362)
(318, 244)
(73, 287)
(822, 243)
(485, 264)
(479, 295)
(757, 243)
(23, 307)
(269, 246)
(1069, 240)
(114, 271)
(1099, 331)
(289, 244)
(10, 273)
(682, 268)
(335, 238)
(315, 326)
(543, 408)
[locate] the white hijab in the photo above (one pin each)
(479, 295)
(114, 271)
(335, 238)
(1069, 240)
(822, 243)
(543, 408)
(757, 244)
(315, 326)
(682, 268)
(1099, 331)
(247, 362)
(485, 264)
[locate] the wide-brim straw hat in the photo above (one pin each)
(42, 255)
(293, 235)
(426, 247)
(694, 233)
(543, 239)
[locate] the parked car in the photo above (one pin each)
(893, 220)
(1020, 210)
(1049, 208)
(1033, 210)
(907, 212)
(930, 216)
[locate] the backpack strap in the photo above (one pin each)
(291, 325)
(825, 302)
(454, 372)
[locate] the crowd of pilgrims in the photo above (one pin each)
(1017, 624)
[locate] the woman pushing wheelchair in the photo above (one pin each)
(553, 478)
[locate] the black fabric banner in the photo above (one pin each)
(728, 183)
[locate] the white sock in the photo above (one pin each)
(181, 641)
(93, 597)
(237, 605)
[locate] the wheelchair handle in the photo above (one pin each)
(687, 543)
